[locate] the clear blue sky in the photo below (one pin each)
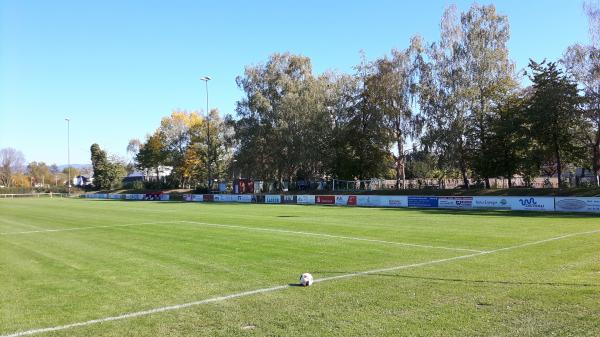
(117, 67)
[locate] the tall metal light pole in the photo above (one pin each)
(206, 79)
(69, 153)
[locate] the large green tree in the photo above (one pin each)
(489, 76)
(443, 99)
(152, 154)
(554, 115)
(283, 123)
(583, 63)
(391, 88)
(108, 173)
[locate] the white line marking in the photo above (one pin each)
(245, 228)
(276, 230)
(89, 227)
(281, 287)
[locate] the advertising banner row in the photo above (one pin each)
(115, 196)
(564, 204)
(529, 203)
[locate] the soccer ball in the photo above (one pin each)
(306, 279)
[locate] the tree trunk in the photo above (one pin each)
(403, 175)
(558, 164)
(398, 172)
(596, 159)
(463, 167)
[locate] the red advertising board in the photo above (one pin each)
(352, 200)
(325, 199)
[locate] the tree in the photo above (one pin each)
(107, 173)
(553, 114)
(583, 63)
(362, 126)
(71, 171)
(152, 155)
(177, 132)
(391, 88)
(510, 149)
(489, 76)
(284, 122)
(11, 162)
(39, 172)
(443, 98)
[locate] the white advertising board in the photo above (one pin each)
(491, 202)
(272, 199)
(393, 201)
(368, 200)
(305, 199)
(531, 203)
(455, 202)
(577, 204)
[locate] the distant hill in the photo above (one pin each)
(80, 167)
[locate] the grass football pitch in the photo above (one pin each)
(117, 268)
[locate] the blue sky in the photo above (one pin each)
(117, 67)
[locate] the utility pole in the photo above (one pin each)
(69, 154)
(208, 145)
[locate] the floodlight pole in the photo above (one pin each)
(69, 154)
(206, 79)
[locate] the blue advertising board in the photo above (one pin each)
(423, 202)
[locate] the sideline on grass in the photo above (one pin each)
(280, 287)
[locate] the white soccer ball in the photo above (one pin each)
(306, 279)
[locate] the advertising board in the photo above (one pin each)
(531, 203)
(222, 198)
(305, 199)
(272, 199)
(288, 199)
(345, 200)
(325, 199)
(393, 201)
(455, 202)
(242, 198)
(197, 197)
(577, 204)
(423, 202)
(368, 200)
(491, 202)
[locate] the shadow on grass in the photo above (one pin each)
(487, 212)
(460, 280)
(432, 211)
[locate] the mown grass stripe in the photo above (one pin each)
(281, 287)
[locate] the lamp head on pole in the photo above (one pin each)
(206, 78)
